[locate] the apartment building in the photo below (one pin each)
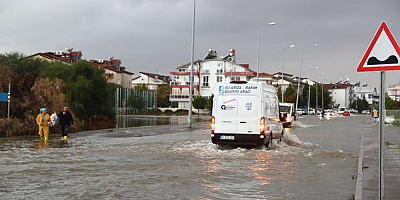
(151, 80)
(206, 73)
(114, 72)
(394, 91)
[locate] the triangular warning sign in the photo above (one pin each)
(383, 54)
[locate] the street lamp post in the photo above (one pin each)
(191, 70)
(291, 46)
(298, 82)
(316, 91)
(309, 91)
(322, 92)
(258, 47)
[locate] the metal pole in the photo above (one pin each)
(382, 137)
(308, 112)
(258, 52)
(9, 96)
(191, 70)
(282, 74)
(316, 96)
(298, 82)
(322, 95)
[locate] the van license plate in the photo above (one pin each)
(227, 137)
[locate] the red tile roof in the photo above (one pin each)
(336, 86)
(66, 57)
(107, 64)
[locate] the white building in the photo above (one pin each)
(394, 91)
(206, 73)
(369, 93)
(152, 81)
(341, 93)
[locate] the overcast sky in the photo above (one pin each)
(155, 35)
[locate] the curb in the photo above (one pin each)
(358, 193)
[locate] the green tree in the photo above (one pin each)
(289, 96)
(87, 91)
(391, 104)
(360, 105)
(199, 102)
(136, 102)
(141, 87)
(163, 93)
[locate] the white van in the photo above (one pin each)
(245, 114)
(287, 114)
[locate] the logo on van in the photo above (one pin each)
(221, 89)
(223, 107)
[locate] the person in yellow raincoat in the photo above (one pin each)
(43, 120)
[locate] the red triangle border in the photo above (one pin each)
(382, 27)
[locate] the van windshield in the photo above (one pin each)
(284, 109)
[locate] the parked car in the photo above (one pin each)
(341, 110)
(301, 112)
(346, 113)
(366, 112)
(352, 110)
(311, 112)
(390, 119)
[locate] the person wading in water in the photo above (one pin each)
(43, 120)
(65, 120)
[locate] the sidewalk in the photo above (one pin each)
(370, 162)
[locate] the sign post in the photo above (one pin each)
(5, 97)
(382, 55)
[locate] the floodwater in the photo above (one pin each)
(127, 121)
(317, 160)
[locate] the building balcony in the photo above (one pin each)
(176, 84)
(184, 73)
(180, 97)
(241, 73)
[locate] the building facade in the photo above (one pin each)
(206, 73)
(394, 91)
(369, 93)
(114, 72)
(342, 94)
(152, 81)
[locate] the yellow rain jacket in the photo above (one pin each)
(43, 126)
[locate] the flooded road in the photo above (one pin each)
(317, 160)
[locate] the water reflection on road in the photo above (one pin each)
(127, 121)
(181, 165)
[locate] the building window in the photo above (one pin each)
(219, 78)
(182, 70)
(206, 68)
(235, 78)
(205, 81)
(220, 68)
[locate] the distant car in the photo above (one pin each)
(390, 119)
(341, 110)
(365, 112)
(311, 112)
(346, 113)
(352, 110)
(301, 111)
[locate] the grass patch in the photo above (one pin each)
(388, 143)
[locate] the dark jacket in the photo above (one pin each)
(65, 119)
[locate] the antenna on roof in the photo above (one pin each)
(68, 49)
(111, 57)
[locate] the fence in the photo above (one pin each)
(122, 95)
